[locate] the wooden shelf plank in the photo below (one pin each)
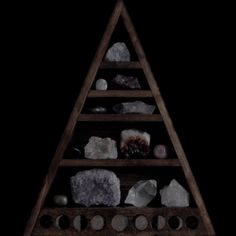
(120, 117)
(120, 93)
(120, 162)
(121, 65)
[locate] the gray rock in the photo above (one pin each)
(77, 223)
(60, 200)
(135, 143)
(98, 110)
(96, 187)
(174, 195)
(160, 151)
(137, 107)
(101, 84)
(118, 52)
(141, 222)
(125, 82)
(97, 222)
(142, 193)
(100, 148)
(119, 222)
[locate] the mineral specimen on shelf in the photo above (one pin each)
(98, 110)
(137, 107)
(60, 200)
(174, 195)
(119, 222)
(141, 222)
(100, 148)
(160, 151)
(101, 84)
(135, 143)
(96, 187)
(141, 194)
(97, 222)
(118, 52)
(125, 82)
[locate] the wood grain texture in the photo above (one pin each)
(120, 94)
(120, 117)
(120, 65)
(119, 163)
(167, 120)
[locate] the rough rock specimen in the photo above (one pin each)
(60, 200)
(101, 84)
(95, 187)
(98, 110)
(100, 148)
(142, 193)
(135, 143)
(174, 195)
(160, 151)
(118, 52)
(119, 222)
(137, 107)
(125, 82)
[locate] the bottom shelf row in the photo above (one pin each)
(115, 220)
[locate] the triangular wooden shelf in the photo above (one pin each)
(204, 228)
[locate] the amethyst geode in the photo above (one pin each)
(135, 143)
(96, 187)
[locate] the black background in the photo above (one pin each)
(50, 50)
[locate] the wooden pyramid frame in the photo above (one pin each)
(120, 10)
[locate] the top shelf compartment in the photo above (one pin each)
(121, 65)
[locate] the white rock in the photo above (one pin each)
(142, 193)
(101, 84)
(174, 195)
(137, 107)
(118, 52)
(100, 148)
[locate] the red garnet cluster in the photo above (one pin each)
(135, 144)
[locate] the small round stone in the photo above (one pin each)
(160, 151)
(141, 222)
(119, 222)
(60, 200)
(101, 84)
(97, 222)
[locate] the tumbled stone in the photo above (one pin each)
(118, 52)
(100, 148)
(135, 143)
(60, 200)
(101, 84)
(141, 222)
(119, 222)
(160, 151)
(98, 110)
(137, 107)
(125, 82)
(97, 222)
(142, 193)
(174, 195)
(96, 187)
